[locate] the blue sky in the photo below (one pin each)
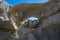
(14, 2)
(32, 18)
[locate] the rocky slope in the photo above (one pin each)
(49, 15)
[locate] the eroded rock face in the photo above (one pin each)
(49, 26)
(48, 29)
